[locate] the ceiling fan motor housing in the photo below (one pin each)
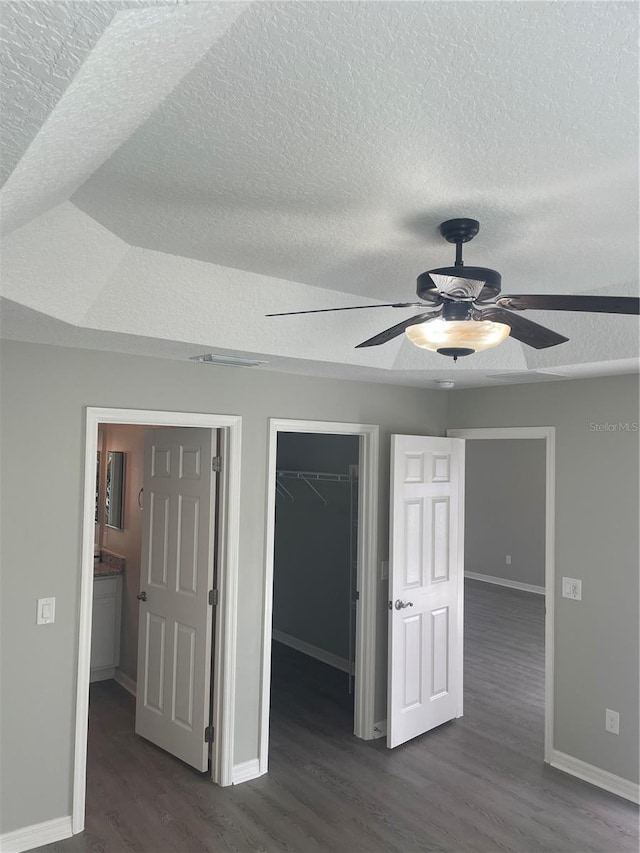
(452, 310)
(427, 288)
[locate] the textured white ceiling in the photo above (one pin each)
(114, 90)
(43, 46)
(324, 142)
(226, 160)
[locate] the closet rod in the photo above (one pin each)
(315, 475)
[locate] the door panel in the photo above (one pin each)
(425, 585)
(413, 675)
(439, 539)
(439, 652)
(157, 557)
(412, 545)
(188, 539)
(175, 637)
(184, 686)
(154, 663)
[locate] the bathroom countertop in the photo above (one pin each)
(110, 564)
(104, 570)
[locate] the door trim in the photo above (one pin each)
(366, 576)
(549, 436)
(225, 639)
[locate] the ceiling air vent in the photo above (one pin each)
(226, 360)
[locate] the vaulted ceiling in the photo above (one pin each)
(176, 171)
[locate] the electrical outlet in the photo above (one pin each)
(507, 560)
(612, 721)
(572, 588)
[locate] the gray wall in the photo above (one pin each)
(42, 482)
(311, 583)
(504, 509)
(596, 640)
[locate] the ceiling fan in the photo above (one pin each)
(468, 314)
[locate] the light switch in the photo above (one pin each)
(46, 613)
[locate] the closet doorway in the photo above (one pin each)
(320, 579)
(314, 576)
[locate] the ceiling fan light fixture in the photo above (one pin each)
(457, 337)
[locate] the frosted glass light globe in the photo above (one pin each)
(469, 335)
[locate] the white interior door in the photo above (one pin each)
(426, 585)
(176, 574)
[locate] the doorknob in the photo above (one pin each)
(142, 596)
(400, 605)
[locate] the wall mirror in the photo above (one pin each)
(114, 504)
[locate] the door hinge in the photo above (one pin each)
(209, 734)
(213, 597)
(216, 464)
(357, 595)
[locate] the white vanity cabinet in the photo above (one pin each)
(105, 627)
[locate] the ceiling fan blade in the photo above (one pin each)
(523, 330)
(350, 308)
(557, 302)
(394, 331)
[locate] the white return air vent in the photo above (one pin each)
(226, 360)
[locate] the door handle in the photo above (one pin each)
(400, 605)
(142, 596)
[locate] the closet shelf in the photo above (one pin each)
(308, 477)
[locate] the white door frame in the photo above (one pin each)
(366, 575)
(225, 631)
(549, 436)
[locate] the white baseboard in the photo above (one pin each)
(312, 651)
(36, 835)
(125, 681)
(245, 771)
(596, 776)
(524, 587)
(102, 674)
(380, 729)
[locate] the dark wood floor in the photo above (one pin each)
(477, 784)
